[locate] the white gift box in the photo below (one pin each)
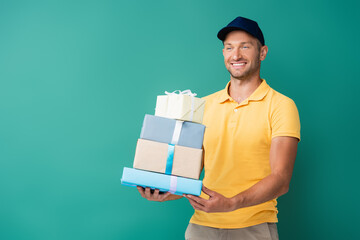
(180, 105)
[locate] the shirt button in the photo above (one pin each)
(235, 110)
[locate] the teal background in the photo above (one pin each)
(77, 78)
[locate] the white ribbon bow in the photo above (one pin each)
(185, 92)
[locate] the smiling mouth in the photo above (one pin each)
(238, 65)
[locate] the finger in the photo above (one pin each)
(141, 191)
(208, 191)
(196, 205)
(192, 204)
(156, 194)
(147, 193)
(197, 199)
(199, 209)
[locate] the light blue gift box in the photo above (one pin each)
(165, 183)
(162, 129)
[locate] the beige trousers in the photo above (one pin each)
(264, 231)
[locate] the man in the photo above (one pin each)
(250, 146)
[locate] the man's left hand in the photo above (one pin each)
(215, 203)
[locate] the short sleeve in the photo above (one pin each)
(285, 119)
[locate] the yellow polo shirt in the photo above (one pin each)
(237, 147)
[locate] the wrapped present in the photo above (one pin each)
(177, 132)
(165, 183)
(168, 158)
(180, 105)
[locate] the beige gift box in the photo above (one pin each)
(183, 106)
(152, 156)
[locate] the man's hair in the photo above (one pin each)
(258, 43)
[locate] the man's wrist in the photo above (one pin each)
(235, 202)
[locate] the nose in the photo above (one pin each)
(237, 54)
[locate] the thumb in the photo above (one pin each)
(208, 191)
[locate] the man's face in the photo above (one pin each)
(243, 54)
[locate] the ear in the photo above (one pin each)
(263, 52)
(223, 50)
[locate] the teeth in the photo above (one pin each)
(238, 64)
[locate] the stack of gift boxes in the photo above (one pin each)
(169, 152)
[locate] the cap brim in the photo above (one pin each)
(223, 32)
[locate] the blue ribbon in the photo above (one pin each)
(170, 159)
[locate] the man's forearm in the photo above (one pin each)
(282, 159)
(267, 189)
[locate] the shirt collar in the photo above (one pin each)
(257, 95)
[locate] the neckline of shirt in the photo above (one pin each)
(257, 95)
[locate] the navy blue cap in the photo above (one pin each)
(245, 24)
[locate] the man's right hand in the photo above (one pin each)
(156, 195)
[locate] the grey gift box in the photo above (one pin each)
(161, 129)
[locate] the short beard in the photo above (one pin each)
(248, 74)
(242, 77)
